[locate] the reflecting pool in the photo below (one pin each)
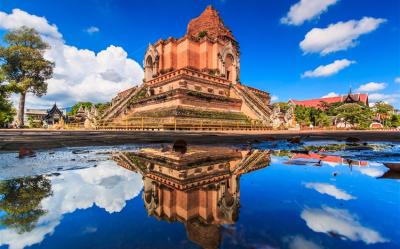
(274, 194)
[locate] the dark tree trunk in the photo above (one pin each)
(21, 109)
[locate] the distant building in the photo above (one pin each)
(54, 116)
(36, 115)
(87, 116)
(329, 159)
(319, 103)
(45, 116)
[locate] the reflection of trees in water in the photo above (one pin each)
(20, 200)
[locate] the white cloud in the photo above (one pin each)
(397, 80)
(338, 36)
(107, 186)
(19, 18)
(79, 74)
(339, 221)
(274, 98)
(371, 87)
(92, 30)
(329, 189)
(327, 70)
(331, 94)
(388, 98)
(306, 10)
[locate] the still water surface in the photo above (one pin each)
(268, 195)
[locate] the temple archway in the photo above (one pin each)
(229, 66)
(230, 69)
(150, 63)
(148, 68)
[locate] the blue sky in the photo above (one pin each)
(271, 56)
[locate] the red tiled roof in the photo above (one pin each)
(317, 103)
(327, 158)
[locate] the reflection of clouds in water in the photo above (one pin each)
(298, 242)
(332, 164)
(107, 186)
(371, 171)
(341, 222)
(89, 229)
(275, 159)
(329, 189)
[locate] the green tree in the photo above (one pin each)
(302, 114)
(24, 66)
(384, 111)
(395, 120)
(355, 114)
(75, 108)
(331, 109)
(323, 120)
(20, 201)
(283, 106)
(7, 111)
(101, 107)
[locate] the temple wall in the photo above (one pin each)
(219, 90)
(211, 106)
(165, 104)
(194, 54)
(183, 101)
(183, 54)
(189, 204)
(168, 201)
(205, 55)
(168, 54)
(177, 54)
(216, 47)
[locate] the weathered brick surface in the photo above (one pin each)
(211, 22)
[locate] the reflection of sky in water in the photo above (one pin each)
(281, 206)
(106, 186)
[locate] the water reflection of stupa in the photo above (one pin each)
(199, 188)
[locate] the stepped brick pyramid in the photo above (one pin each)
(196, 76)
(200, 188)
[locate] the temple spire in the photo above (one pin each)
(210, 22)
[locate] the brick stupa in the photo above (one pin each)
(200, 188)
(211, 22)
(196, 76)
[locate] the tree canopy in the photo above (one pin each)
(355, 114)
(7, 111)
(20, 200)
(24, 66)
(101, 107)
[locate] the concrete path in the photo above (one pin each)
(11, 140)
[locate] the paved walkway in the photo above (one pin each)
(45, 139)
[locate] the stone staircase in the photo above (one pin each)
(123, 160)
(261, 109)
(253, 161)
(120, 106)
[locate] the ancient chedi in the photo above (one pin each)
(199, 188)
(195, 76)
